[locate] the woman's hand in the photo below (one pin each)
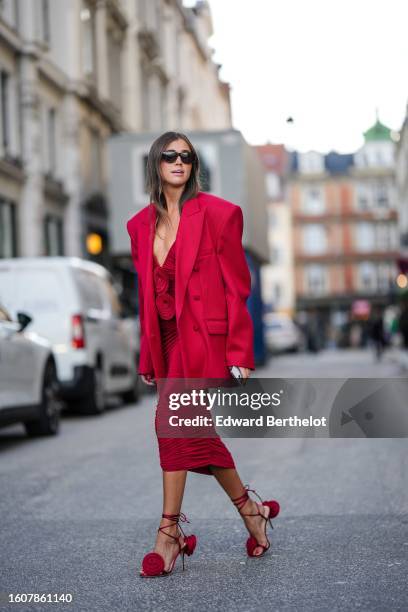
(245, 372)
(148, 379)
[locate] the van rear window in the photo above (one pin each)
(90, 290)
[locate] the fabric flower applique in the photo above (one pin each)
(165, 305)
(161, 280)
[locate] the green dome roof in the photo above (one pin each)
(377, 132)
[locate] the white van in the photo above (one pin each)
(74, 304)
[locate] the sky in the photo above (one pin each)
(328, 64)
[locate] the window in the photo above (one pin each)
(363, 197)
(52, 139)
(205, 172)
(8, 11)
(87, 17)
(115, 66)
(45, 20)
(381, 195)
(313, 201)
(144, 172)
(53, 234)
(275, 255)
(5, 110)
(314, 239)
(273, 187)
(386, 236)
(8, 229)
(95, 160)
(316, 279)
(365, 237)
(385, 277)
(272, 217)
(277, 293)
(311, 162)
(149, 14)
(367, 276)
(49, 140)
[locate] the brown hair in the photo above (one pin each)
(154, 181)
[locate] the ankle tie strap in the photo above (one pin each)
(180, 517)
(240, 501)
(176, 520)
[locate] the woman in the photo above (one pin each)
(193, 282)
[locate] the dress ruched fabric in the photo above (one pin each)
(183, 453)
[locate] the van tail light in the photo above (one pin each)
(78, 332)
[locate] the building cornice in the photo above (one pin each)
(341, 258)
(50, 72)
(88, 94)
(10, 37)
(12, 169)
(300, 218)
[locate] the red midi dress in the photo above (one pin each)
(180, 453)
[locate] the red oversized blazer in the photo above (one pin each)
(212, 284)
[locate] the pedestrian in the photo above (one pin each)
(377, 333)
(403, 323)
(193, 283)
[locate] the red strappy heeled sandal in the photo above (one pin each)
(252, 543)
(153, 563)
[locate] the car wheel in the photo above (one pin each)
(49, 410)
(94, 401)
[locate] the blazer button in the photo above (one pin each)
(195, 327)
(196, 297)
(196, 268)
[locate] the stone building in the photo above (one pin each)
(71, 74)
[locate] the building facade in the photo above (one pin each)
(73, 73)
(345, 233)
(402, 189)
(278, 291)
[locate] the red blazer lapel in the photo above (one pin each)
(188, 240)
(150, 311)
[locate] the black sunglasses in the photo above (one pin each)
(187, 157)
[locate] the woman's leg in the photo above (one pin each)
(230, 481)
(173, 491)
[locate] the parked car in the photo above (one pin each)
(74, 304)
(281, 333)
(29, 391)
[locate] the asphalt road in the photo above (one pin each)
(78, 513)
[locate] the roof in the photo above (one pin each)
(378, 131)
(274, 157)
(334, 163)
(338, 163)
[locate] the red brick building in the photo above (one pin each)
(344, 212)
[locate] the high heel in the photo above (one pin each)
(153, 563)
(274, 507)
